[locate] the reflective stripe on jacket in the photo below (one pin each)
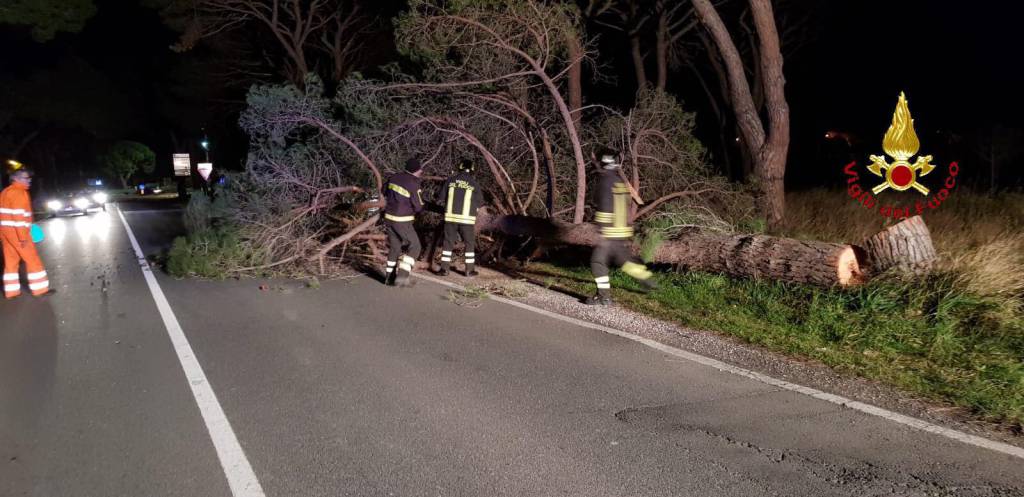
(15, 213)
(404, 198)
(462, 196)
(613, 200)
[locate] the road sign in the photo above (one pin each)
(182, 165)
(205, 168)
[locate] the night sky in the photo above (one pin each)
(958, 63)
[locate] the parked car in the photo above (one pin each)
(83, 202)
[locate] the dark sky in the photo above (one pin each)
(957, 61)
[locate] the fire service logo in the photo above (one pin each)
(901, 144)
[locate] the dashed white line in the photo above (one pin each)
(918, 424)
(241, 478)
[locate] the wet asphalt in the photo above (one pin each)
(352, 388)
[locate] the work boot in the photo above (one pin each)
(599, 300)
(47, 293)
(403, 280)
(471, 270)
(444, 269)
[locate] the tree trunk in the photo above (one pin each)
(575, 77)
(744, 256)
(905, 247)
(767, 149)
(661, 51)
(772, 159)
(638, 61)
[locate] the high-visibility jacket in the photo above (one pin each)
(462, 198)
(16, 241)
(15, 213)
(613, 200)
(404, 198)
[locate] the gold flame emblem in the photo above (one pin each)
(901, 144)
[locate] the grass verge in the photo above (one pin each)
(929, 338)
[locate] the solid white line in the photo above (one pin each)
(902, 419)
(237, 469)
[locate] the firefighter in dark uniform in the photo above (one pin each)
(612, 216)
(462, 197)
(404, 201)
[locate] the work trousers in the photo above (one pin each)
(402, 237)
(14, 254)
(611, 253)
(452, 233)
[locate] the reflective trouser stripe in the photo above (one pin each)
(35, 276)
(470, 257)
(10, 276)
(638, 271)
(391, 266)
(399, 219)
(405, 267)
(16, 224)
(406, 263)
(38, 286)
(446, 256)
(12, 288)
(459, 219)
(603, 282)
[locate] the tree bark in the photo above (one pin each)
(575, 77)
(768, 150)
(905, 247)
(661, 51)
(744, 256)
(772, 158)
(638, 61)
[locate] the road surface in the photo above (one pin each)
(358, 389)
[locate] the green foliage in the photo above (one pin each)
(932, 337)
(126, 158)
(47, 17)
(213, 253)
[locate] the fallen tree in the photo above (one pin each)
(743, 256)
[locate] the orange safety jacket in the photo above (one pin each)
(15, 214)
(16, 241)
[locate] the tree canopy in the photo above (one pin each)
(125, 158)
(46, 18)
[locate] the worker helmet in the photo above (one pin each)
(466, 166)
(609, 158)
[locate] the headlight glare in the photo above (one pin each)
(81, 203)
(99, 197)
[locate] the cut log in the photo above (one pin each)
(744, 256)
(905, 247)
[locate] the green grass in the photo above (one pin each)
(929, 338)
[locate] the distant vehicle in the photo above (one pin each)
(149, 189)
(78, 203)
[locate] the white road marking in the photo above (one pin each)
(902, 419)
(237, 469)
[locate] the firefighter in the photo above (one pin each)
(612, 216)
(15, 222)
(462, 197)
(404, 201)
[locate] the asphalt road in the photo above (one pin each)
(358, 389)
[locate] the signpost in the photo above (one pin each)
(205, 168)
(182, 165)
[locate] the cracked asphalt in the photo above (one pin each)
(358, 389)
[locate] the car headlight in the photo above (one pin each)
(54, 205)
(81, 203)
(99, 197)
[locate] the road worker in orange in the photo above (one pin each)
(15, 222)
